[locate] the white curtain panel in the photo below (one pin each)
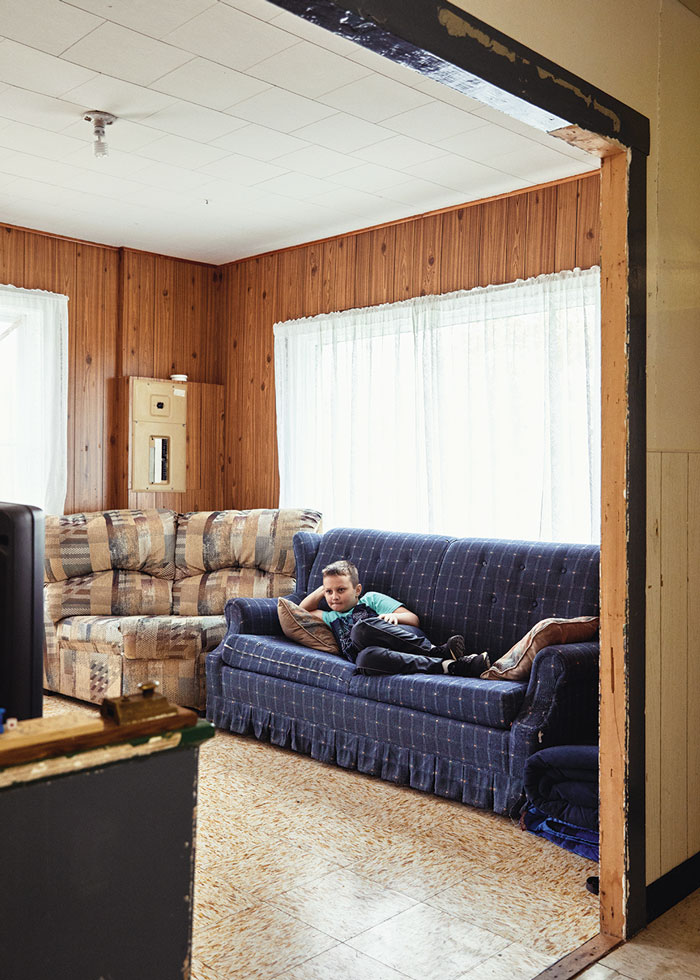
(33, 397)
(475, 413)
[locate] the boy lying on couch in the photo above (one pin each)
(371, 632)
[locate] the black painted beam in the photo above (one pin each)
(450, 46)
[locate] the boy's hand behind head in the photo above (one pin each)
(339, 592)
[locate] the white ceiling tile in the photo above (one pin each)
(154, 18)
(242, 169)
(281, 110)
(350, 201)
(116, 164)
(33, 168)
(398, 151)
(122, 136)
(130, 102)
(343, 133)
(193, 122)
(256, 8)
(538, 164)
(259, 142)
(444, 93)
(230, 194)
(295, 185)
(307, 70)
(485, 143)
(382, 65)
(38, 110)
(369, 177)
(312, 32)
(316, 161)
(180, 152)
(39, 142)
(420, 194)
(230, 37)
(457, 172)
(374, 98)
(125, 54)
(209, 84)
(49, 25)
(436, 119)
(21, 65)
(168, 175)
(103, 184)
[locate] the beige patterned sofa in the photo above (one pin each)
(136, 595)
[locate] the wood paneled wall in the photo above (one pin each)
(128, 313)
(673, 664)
(525, 234)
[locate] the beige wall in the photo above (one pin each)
(646, 53)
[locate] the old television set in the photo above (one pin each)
(21, 610)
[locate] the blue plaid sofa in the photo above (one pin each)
(462, 738)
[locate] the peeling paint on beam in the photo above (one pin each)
(444, 43)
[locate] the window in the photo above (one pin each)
(33, 397)
(474, 413)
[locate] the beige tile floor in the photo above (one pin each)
(309, 872)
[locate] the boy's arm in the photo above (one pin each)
(310, 603)
(401, 616)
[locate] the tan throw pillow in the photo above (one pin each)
(517, 663)
(301, 626)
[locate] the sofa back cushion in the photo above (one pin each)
(127, 540)
(404, 566)
(494, 591)
(220, 555)
(110, 593)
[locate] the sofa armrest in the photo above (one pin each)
(306, 545)
(256, 616)
(561, 703)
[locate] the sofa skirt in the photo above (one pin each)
(433, 754)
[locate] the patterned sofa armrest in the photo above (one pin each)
(306, 545)
(255, 616)
(561, 703)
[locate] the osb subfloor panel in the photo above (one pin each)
(306, 871)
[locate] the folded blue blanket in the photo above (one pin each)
(561, 789)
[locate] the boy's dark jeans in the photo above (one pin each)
(382, 648)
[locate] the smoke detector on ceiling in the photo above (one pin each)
(100, 120)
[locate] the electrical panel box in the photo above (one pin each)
(158, 445)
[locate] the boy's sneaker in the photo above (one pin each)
(472, 665)
(453, 649)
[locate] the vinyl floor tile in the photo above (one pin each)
(526, 917)
(271, 866)
(417, 868)
(213, 898)
(427, 944)
(515, 962)
(342, 904)
(645, 958)
(341, 963)
(258, 944)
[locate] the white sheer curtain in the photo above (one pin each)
(472, 413)
(33, 397)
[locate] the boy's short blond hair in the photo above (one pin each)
(343, 567)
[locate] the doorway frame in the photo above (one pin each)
(448, 45)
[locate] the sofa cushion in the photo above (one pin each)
(142, 637)
(135, 540)
(495, 591)
(111, 593)
(208, 593)
(279, 657)
(403, 566)
(299, 625)
(251, 548)
(495, 705)
(516, 664)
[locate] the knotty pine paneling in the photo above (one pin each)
(544, 229)
(129, 312)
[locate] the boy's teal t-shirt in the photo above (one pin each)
(375, 600)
